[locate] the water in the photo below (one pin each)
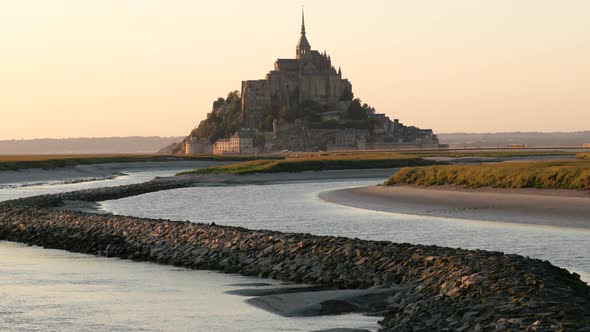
(19, 184)
(52, 187)
(54, 290)
(295, 207)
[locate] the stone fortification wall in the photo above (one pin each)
(193, 147)
(448, 289)
(256, 97)
(323, 88)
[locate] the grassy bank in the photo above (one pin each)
(573, 174)
(318, 163)
(493, 154)
(17, 162)
(584, 156)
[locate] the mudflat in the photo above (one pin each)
(557, 208)
(96, 171)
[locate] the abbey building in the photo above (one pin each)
(303, 104)
(310, 76)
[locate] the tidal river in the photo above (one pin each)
(295, 207)
(55, 290)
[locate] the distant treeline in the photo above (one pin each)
(530, 139)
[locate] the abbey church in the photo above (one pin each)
(310, 76)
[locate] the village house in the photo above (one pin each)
(242, 142)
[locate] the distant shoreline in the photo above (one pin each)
(520, 206)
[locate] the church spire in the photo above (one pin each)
(303, 47)
(302, 22)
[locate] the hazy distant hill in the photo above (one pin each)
(530, 139)
(134, 144)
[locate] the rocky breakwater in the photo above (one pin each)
(105, 193)
(446, 289)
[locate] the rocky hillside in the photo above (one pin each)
(225, 119)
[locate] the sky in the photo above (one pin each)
(95, 68)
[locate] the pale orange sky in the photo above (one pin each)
(84, 68)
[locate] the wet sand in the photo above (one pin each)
(557, 208)
(327, 302)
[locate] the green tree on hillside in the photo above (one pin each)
(224, 119)
(356, 111)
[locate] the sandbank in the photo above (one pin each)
(557, 208)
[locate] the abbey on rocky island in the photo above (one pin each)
(308, 77)
(303, 104)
